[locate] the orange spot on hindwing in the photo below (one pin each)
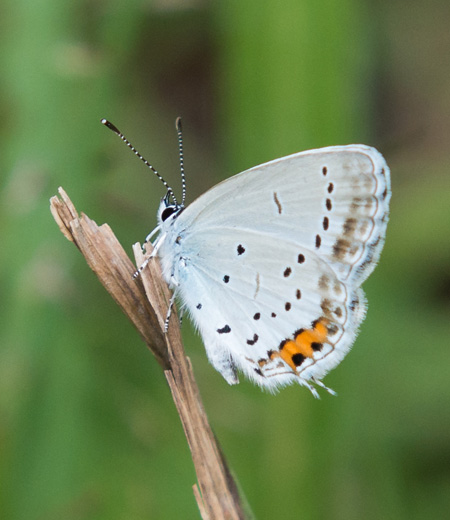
(305, 343)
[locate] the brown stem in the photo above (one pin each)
(145, 302)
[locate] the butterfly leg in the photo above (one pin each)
(150, 235)
(142, 267)
(156, 246)
(173, 284)
(169, 313)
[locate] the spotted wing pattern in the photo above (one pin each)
(269, 263)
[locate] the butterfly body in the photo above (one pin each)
(269, 263)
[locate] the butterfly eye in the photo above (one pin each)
(167, 212)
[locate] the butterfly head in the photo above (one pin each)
(169, 209)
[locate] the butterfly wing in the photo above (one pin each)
(269, 262)
(273, 309)
(332, 200)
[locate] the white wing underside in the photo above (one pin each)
(275, 248)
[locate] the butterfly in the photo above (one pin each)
(269, 263)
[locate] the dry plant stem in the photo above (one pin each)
(106, 257)
(147, 308)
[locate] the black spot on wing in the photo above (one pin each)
(240, 249)
(254, 340)
(224, 330)
(298, 359)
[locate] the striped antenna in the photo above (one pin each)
(180, 151)
(133, 149)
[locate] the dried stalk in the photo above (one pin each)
(145, 302)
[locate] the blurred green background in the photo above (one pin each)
(88, 429)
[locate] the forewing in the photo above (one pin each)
(333, 201)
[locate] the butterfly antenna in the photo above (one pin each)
(133, 149)
(180, 151)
